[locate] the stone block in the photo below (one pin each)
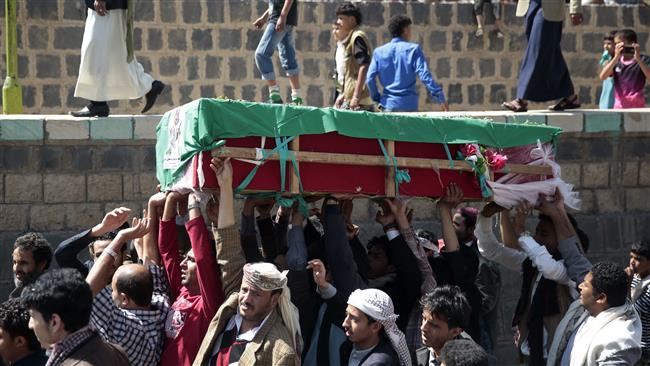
(72, 65)
(476, 94)
(396, 9)
(212, 67)
(571, 173)
(569, 42)
(644, 173)
(186, 93)
(486, 67)
(569, 149)
(74, 10)
(13, 217)
(192, 11)
(506, 68)
(68, 38)
(81, 158)
(443, 68)
(636, 199)
(600, 149)
(311, 67)
(25, 128)
(207, 91)
(144, 127)
(636, 122)
(104, 187)
(148, 162)
(216, 14)
(437, 41)
(240, 11)
(465, 14)
(29, 96)
(48, 66)
(607, 16)
(517, 42)
(309, 13)
(111, 128)
(602, 122)
(23, 188)
(154, 39)
(636, 148)
(465, 67)
(117, 158)
(237, 67)
(611, 232)
(304, 41)
(527, 118)
(23, 66)
(324, 41)
(202, 39)
(595, 175)
(38, 37)
(443, 14)
(66, 128)
(192, 67)
(64, 188)
(588, 204)
(144, 11)
(592, 43)
(495, 44)
(609, 200)
(230, 39)
(567, 121)
(373, 14)
(475, 43)
(169, 65)
(176, 38)
(39, 9)
(455, 94)
(83, 215)
(423, 209)
(498, 93)
(625, 173)
(229, 91)
(168, 11)
(457, 41)
(644, 15)
(46, 217)
(583, 67)
(16, 158)
(50, 158)
(249, 92)
(315, 96)
(2, 189)
(420, 13)
(51, 95)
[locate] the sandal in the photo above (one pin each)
(516, 105)
(570, 102)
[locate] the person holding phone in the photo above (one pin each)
(629, 69)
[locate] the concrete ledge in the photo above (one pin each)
(139, 127)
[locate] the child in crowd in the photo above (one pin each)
(496, 10)
(630, 70)
(607, 94)
(282, 16)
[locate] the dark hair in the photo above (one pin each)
(469, 215)
(426, 234)
(37, 245)
(14, 319)
(641, 248)
(448, 302)
(627, 35)
(609, 278)
(609, 36)
(350, 10)
(63, 292)
(463, 352)
(380, 242)
(397, 24)
(138, 287)
(109, 236)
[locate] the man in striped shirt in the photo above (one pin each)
(639, 269)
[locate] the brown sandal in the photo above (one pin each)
(570, 102)
(516, 105)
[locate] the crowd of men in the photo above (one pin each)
(186, 285)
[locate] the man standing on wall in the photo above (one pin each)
(108, 68)
(544, 74)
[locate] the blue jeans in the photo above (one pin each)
(286, 47)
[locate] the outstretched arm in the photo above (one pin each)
(434, 89)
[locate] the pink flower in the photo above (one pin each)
(468, 150)
(496, 161)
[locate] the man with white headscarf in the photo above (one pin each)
(257, 325)
(373, 336)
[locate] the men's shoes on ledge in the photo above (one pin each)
(157, 88)
(92, 110)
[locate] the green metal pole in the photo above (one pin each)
(12, 97)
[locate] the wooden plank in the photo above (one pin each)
(295, 181)
(391, 189)
(373, 160)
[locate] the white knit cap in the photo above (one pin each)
(378, 305)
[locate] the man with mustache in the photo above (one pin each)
(32, 255)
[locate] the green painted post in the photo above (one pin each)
(12, 97)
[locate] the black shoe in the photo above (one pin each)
(157, 87)
(92, 110)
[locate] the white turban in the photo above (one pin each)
(378, 305)
(266, 277)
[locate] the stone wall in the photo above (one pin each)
(60, 175)
(204, 48)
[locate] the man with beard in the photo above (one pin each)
(32, 255)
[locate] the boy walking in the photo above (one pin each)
(282, 17)
(630, 70)
(607, 93)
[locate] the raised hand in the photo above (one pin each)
(399, 209)
(453, 196)
(138, 229)
(319, 272)
(491, 209)
(385, 215)
(111, 221)
(223, 170)
(521, 213)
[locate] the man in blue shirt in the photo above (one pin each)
(397, 63)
